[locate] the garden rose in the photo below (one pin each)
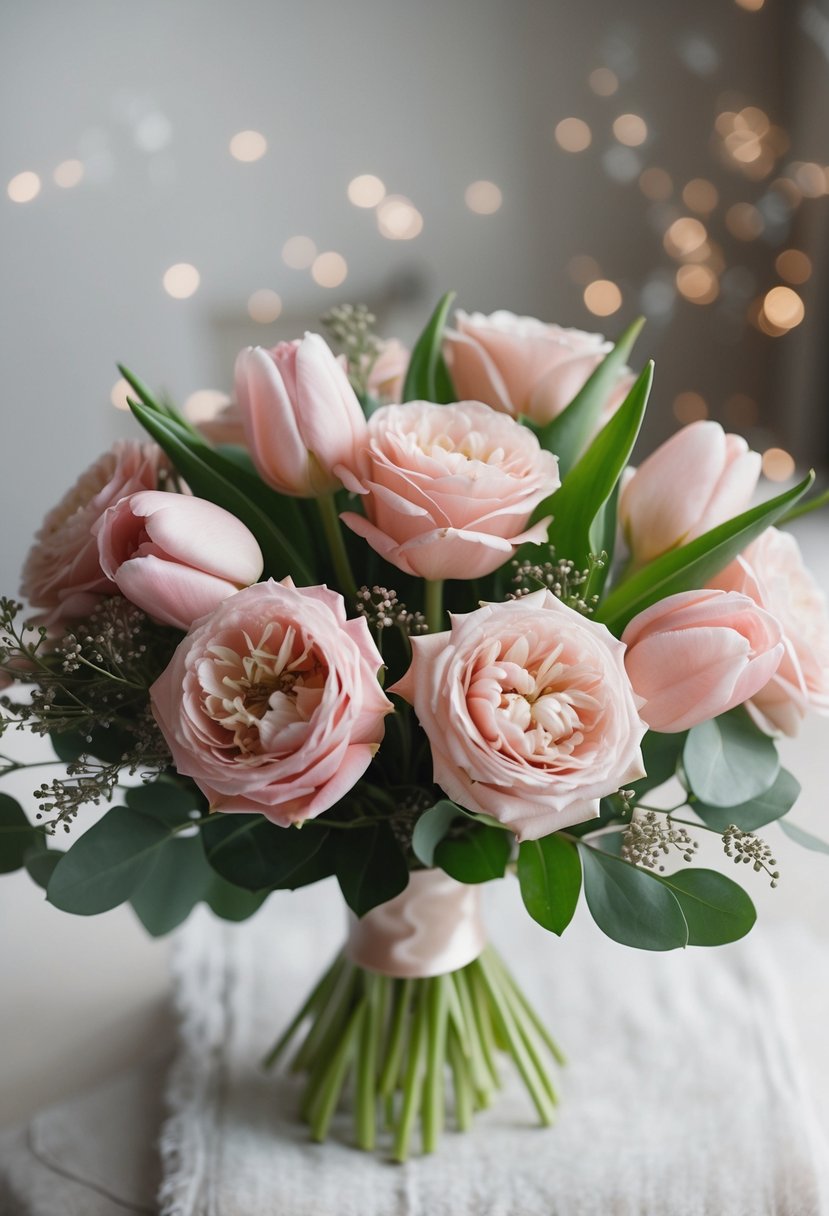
(695, 655)
(272, 704)
(699, 478)
(300, 415)
(449, 489)
(63, 574)
(388, 371)
(524, 366)
(176, 556)
(771, 571)
(529, 713)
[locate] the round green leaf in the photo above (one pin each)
(174, 885)
(750, 816)
(801, 837)
(232, 903)
(370, 867)
(630, 905)
(729, 760)
(549, 874)
(17, 835)
(479, 856)
(716, 909)
(105, 865)
(164, 799)
(431, 828)
(660, 754)
(251, 852)
(40, 862)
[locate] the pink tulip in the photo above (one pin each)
(300, 415)
(175, 556)
(700, 478)
(388, 371)
(697, 654)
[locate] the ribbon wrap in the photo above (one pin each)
(431, 928)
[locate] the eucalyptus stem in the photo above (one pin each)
(433, 605)
(327, 508)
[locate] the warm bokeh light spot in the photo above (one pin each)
(68, 173)
(583, 269)
(690, 407)
(698, 284)
(603, 82)
(119, 393)
(204, 404)
(264, 306)
(366, 190)
(656, 184)
(329, 269)
(573, 135)
(684, 236)
(750, 6)
(700, 195)
(484, 198)
(248, 146)
(778, 465)
(398, 219)
(602, 297)
(181, 281)
(298, 252)
(744, 221)
(630, 130)
(23, 187)
(783, 308)
(793, 265)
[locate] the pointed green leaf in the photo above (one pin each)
(716, 909)
(175, 884)
(569, 433)
(371, 869)
(431, 828)
(105, 865)
(427, 377)
(165, 800)
(777, 801)
(148, 398)
(587, 487)
(232, 903)
(801, 837)
(804, 508)
(630, 905)
(251, 852)
(661, 755)
(17, 835)
(693, 565)
(729, 760)
(479, 855)
(549, 874)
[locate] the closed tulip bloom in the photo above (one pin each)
(175, 556)
(300, 415)
(697, 654)
(700, 478)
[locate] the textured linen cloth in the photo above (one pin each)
(684, 1095)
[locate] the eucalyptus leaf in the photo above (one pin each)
(40, 862)
(164, 799)
(549, 874)
(17, 835)
(778, 800)
(175, 884)
(232, 903)
(716, 909)
(431, 828)
(729, 761)
(804, 838)
(660, 754)
(250, 852)
(693, 565)
(370, 867)
(480, 855)
(569, 433)
(630, 905)
(427, 376)
(107, 863)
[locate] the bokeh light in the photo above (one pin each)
(583, 269)
(697, 284)
(329, 269)
(630, 130)
(119, 393)
(700, 195)
(181, 281)
(685, 236)
(778, 465)
(603, 82)
(484, 198)
(793, 265)
(264, 306)
(23, 187)
(690, 407)
(783, 308)
(366, 190)
(656, 184)
(573, 135)
(602, 297)
(68, 174)
(204, 404)
(398, 219)
(750, 6)
(299, 252)
(744, 221)
(248, 146)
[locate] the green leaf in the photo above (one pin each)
(728, 760)
(778, 800)
(105, 865)
(105, 743)
(801, 837)
(175, 884)
(602, 539)
(568, 434)
(251, 852)
(693, 565)
(478, 856)
(17, 835)
(232, 903)
(804, 508)
(549, 874)
(152, 402)
(427, 376)
(716, 909)
(661, 755)
(431, 828)
(630, 905)
(164, 800)
(40, 862)
(211, 476)
(588, 486)
(370, 867)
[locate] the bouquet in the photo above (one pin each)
(413, 622)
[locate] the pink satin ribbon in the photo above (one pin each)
(432, 927)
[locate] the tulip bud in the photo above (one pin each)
(700, 478)
(300, 414)
(697, 654)
(175, 556)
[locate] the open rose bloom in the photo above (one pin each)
(367, 625)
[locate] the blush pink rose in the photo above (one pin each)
(388, 371)
(300, 414)
(696, 480)
(272, 703)
(174, 555)
(772, 572)
(529, 712)
(449, 489)
(62, 575)
(523, 366)
(697, 654)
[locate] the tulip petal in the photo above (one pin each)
(174, 594)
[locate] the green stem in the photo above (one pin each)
(366, 1099)
(461, 1081)
(334, 1080)
(327, 508)
(413, 1081)
(394, 1051)
(319, 996)
(433, 605)
(435, 1063)
(556, 1052)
